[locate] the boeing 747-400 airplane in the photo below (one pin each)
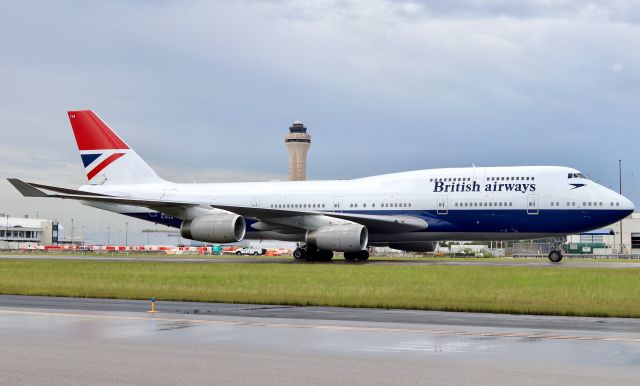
(408, 211)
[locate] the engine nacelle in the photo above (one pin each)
(339, 238)
(215, 228)
(414, 246)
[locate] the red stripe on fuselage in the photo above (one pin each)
(107, 161)
(93, 134)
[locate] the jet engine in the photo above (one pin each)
(215, 228)
(340, 238)
(416, 246)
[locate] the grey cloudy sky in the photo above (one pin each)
(206, 90)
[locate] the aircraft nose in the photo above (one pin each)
(626, 204)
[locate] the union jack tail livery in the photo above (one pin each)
(106, 158)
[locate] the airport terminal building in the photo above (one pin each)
(17, 232)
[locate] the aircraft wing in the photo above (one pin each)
(375, 223)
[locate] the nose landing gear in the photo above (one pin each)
(555, 255)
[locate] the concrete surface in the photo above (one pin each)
(58, 341)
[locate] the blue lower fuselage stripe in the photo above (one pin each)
(560, 221)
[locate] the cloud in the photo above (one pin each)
(617, 67)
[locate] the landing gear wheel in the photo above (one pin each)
(324, 255)
(350, 256)
(363, 255)
(312, 254)
(555, 256)
(360, 256)
(299, 254)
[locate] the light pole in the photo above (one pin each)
(6, 234)
(108, 235)
(72, 229)
(620, 185)
(126, 234)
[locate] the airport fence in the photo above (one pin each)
(575, 250)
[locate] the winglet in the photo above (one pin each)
(26, 189)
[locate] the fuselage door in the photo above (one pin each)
(443, 205)
(532, 204)
(337, 204)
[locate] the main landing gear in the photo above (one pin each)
(360, 255)
(305, 252)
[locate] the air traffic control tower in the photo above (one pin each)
(298, 142)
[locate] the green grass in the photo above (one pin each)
(527, 290)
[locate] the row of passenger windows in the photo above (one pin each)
(304, 206)
(478, 204)
(585, 203)
(336, 205)
(408, 205)
(464, 179)
(446, 179)
(393, 205)
(511, 179)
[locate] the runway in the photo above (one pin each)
(80, 341)
(537, 263)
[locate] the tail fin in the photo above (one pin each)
(106, 158)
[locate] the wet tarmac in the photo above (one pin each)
(538, 263)
(85, 341)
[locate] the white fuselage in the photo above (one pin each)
(478, 203)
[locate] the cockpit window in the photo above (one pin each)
(576, 175)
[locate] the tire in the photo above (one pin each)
(255, 253)
(324, 255)
(299, 254)
(350, 256)
(238, 253)
(555, 256)
(363, 255)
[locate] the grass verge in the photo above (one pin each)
(523, 290)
